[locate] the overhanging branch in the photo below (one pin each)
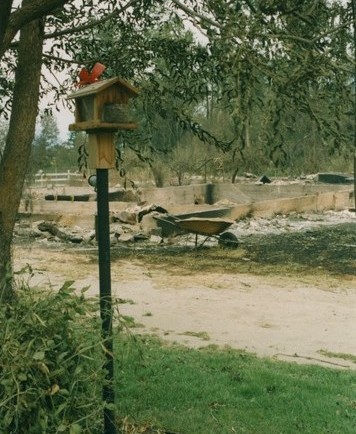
(94, 23)
(194, 14)
(24, 15)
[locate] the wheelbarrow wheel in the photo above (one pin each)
(228, 240)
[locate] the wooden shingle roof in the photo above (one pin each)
(102, 85)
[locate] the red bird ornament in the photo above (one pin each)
(86, 77)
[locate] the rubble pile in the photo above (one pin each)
(140, 226)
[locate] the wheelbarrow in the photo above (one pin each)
(214, 227)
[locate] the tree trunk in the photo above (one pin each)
(234, 175)
(247, 128)
(13, 165)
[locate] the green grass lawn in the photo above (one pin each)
(212, 391)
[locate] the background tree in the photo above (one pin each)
(66, 152)
(45, 145)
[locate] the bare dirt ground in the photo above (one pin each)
(288, 294)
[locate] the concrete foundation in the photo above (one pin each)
(233, 200)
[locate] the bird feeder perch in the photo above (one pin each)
(101, 109)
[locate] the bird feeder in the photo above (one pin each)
(102, 108)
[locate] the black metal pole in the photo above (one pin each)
(103, 234)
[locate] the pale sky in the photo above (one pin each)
(64, 118)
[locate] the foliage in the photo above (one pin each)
(50, 363)
(270, 86)
(276, 77)
(214, 390)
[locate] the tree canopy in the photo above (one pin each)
(278, 74)
(264, 64)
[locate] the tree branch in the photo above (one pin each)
(290, 36)
(61, 59)
(334, 30)
(313, 40)
(24, 15)
(194, 14)
(91, 25)
(251, 6)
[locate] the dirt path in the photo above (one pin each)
(288, 318)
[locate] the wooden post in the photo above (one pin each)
(101, 150)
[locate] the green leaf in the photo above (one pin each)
(64, 392)
(22, 376)
(110, 406)
(75, 429)
(59, 410)
(8, 418)
(39, 355)
(67, 286)
(85, 289)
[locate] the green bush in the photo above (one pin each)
(51, 361)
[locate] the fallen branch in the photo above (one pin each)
(52, 229)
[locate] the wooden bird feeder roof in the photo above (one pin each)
(101, 85)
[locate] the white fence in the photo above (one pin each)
(49, 180)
